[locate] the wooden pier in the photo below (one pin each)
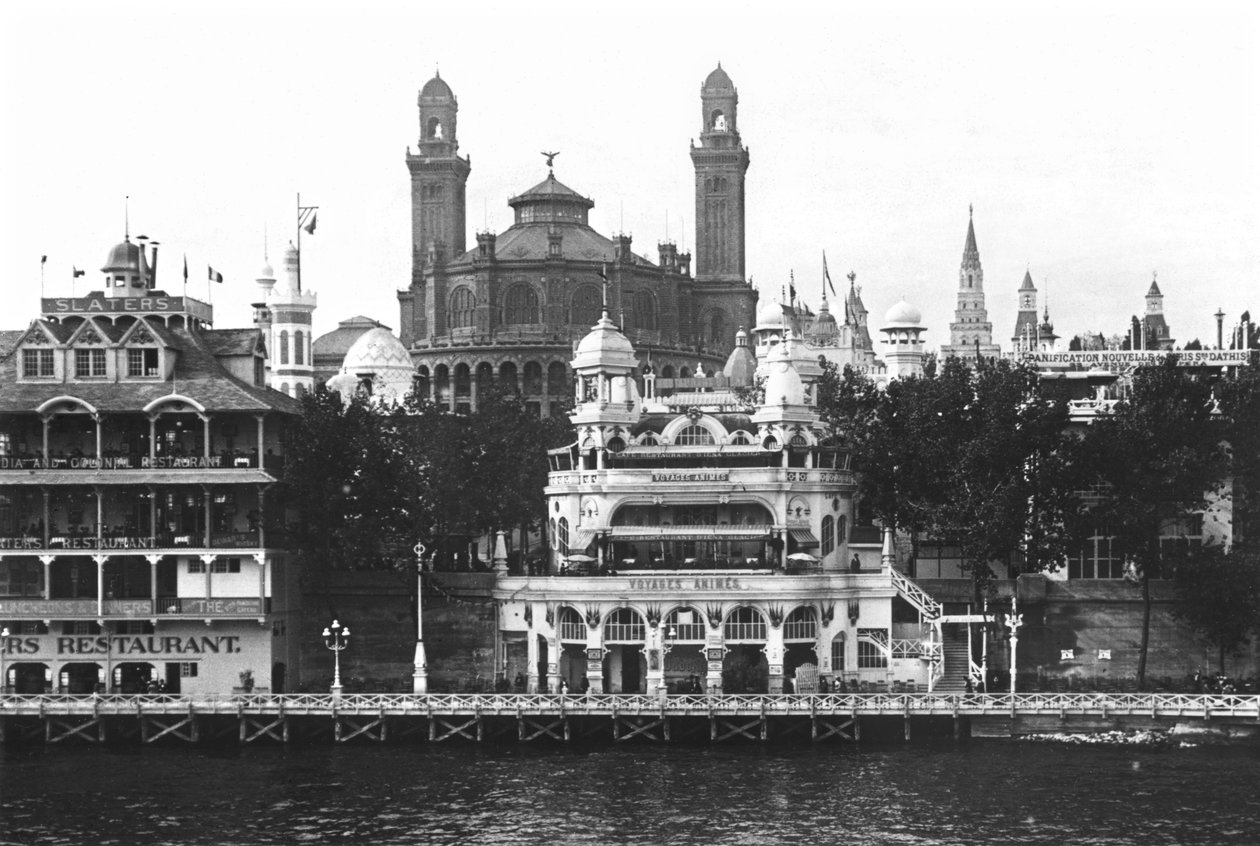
(563, 718)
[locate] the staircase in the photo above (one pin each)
(957, 659)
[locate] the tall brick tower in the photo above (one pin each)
(438, 178)
(724, 300)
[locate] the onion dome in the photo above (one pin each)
(783, 383)
(769, 315)
(741, 364)
(903, 314)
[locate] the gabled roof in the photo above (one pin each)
(198, 376)
(9, 339)
(233, 341)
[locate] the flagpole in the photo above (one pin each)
(42, 261)
(304, 213)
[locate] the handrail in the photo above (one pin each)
(511, 704)
(915, 595)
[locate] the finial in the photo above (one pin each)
(550, 157)
(852, 278)
(1154, 275)
(127, 217)
(437, 71)
(971, 211)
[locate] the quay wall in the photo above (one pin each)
(379, 607)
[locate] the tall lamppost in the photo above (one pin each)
(4, 647)
(420, 668)
(336, 638)
(1013, 622)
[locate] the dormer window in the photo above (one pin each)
(142, 362)
(37, 364)
(89, 364)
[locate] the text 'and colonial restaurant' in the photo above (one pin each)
(139, 546)
(704, 541)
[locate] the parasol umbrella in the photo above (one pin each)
(583, 559)
(804, 557)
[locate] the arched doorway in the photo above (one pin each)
(684, 636)
(133, 677)
(571, 630)
(800, 639)
(745, 669)
(27, 678)
(625, 666)
(81, 678)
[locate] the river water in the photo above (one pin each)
(928, 792)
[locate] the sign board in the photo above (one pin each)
(1127, 359)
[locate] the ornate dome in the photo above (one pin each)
(718, 80)
(903, 314)
(783, 383)
(602, 342)
(436, 88)
(377, 351)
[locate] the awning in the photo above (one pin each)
(581, 540)
(804, 538)
(698, 533)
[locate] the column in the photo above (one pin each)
(595, 658)
(153, 577)
(153, 529)
(205, 437)
(97, 418)
(261, 439)
(100, 512)
(262, 517)
(208, 562)
(261, 560)
(714, 648)
(47, 561)
(774, 656)
(100, 583)
(47, 508)
(207, 508)
(655, 646)
(46, 421)
(531, 655)
(152, 438)
(553, 664)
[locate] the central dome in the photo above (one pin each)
(718, 80)
(436, 88)
(903, 314)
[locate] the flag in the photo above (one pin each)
(310, 227)
(43, 259)
(827, 275)
(77, 272)
(792, 286)
(215, 276)
(185, 268)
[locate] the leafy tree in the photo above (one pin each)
(1157, 455)
(1219, 594)
(974, 458)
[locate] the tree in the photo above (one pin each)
(1219, 593)
(980, 459)
(1157, 456)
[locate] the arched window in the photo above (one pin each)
(717, 328)
(562, 534)
(745, 624)
(740, 438)
(284, 347)
(299, 347)
(420, 383)
(555, 538)
(533, 378)
(828, 535)
(507, 377)
(717, 121)
(284, 387)
(648, 439)
(624, 626)
(801, 625)
(587, 306)
(694, 435)
(434, 131)
(521, 304)
(463, 304)
(570, 625)
(644, 310)
(557, 380)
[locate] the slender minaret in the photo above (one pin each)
(971, 333)
(721, 160)
(289, 345)
(1025, 338)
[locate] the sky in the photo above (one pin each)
(1098, 143)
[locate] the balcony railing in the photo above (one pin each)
(16, 608)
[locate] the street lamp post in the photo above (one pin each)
(420, 668)
(336, 638)
(1013, 622)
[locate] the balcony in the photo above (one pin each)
(20, 608)
(136, 461)
(123, 543)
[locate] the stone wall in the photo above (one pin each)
(379, 608)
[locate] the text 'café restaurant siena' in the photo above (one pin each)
(700, 543)
(139, 546)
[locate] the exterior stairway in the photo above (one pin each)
(957, 661)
